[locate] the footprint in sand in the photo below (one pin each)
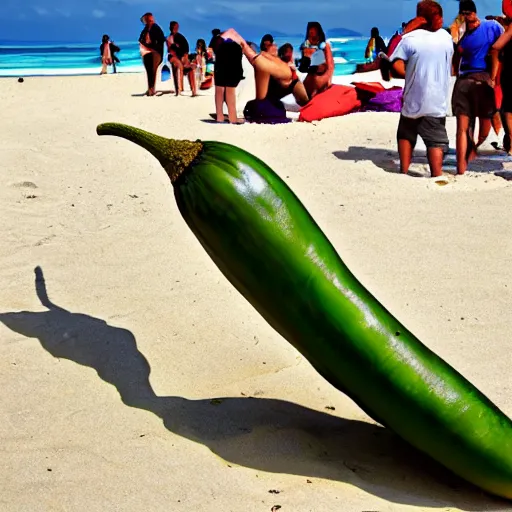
(24, 184)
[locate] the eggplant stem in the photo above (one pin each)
(175, 156)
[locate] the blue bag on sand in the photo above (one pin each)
(166, 73)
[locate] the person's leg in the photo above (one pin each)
(261, 79)
(156, 62)
(103, 67)
(192, 82)
(435, 156)
(507, 126)
(433, 132)
(300, 94)
(484, 128)
(407, 136)
(464, 146)
(317, 83)
(175, 78)
(462, 108)
(148, 66)
(405, 151)
(231, 103)
(219, 103)
(484, 101)
(496, 123)
(182, 76)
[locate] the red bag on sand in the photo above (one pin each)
(338, 100)
(506, 7)
(373, 87)
(207, 83)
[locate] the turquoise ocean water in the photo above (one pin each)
(36, 59)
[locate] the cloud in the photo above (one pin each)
(40, 10)
(98, 14)
(63, 12)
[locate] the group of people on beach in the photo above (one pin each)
(479, 55)
(424, 53)
(274, 68)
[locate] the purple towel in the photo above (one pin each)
(265, 112)
(385, 101)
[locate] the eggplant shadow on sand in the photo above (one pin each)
(263, 434)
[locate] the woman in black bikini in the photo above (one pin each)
(274, 79)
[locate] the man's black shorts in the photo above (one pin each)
(473, 96)
(431, 129)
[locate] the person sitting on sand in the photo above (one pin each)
(151, 42)
(317, 60)
(267, 41)
(423, 57)
(201, 59)
(473, 94)
(285, 53)
(375, 45)
(182, 67)
(274, 79)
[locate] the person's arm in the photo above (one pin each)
(399, 58)
(159, 39)
(457, 56)
(185, 48)
(498, 32)
(329, 59)
(398, 68)
(306, 51)
(503, 40)
(262, 61)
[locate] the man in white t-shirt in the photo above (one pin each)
(424, 58)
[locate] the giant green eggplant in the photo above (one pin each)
(269, 247)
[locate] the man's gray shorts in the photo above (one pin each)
(431, 129)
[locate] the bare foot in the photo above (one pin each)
(472, 154)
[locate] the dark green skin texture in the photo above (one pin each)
(269, 247)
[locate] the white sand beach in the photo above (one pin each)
(146, 382)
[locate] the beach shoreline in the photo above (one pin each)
(145, 378)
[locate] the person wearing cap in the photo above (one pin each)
(476, 64)
(424, 58)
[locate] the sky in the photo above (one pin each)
(87, 20)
